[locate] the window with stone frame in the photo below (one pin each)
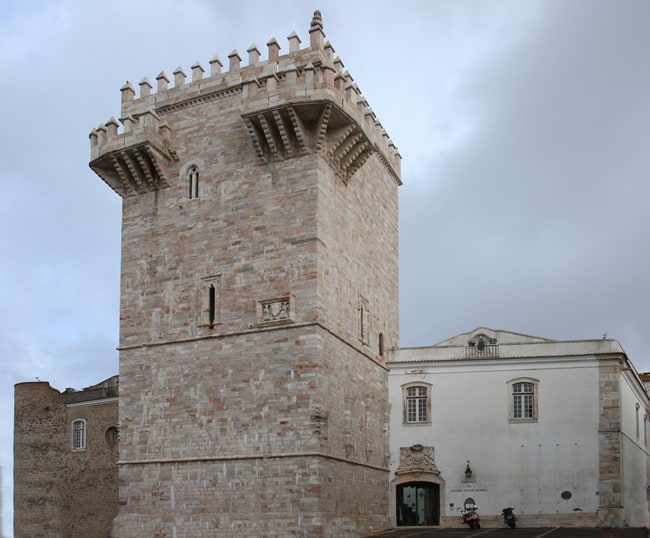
(523, 400)
(209, 301)
(193, 182)
(417, 403)
(79, 434)
(364, 329)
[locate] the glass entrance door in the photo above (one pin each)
(418, 503)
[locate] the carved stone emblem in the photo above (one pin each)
(417, 458)
(274, 311)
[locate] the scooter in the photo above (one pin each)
(470, 517)
(509, 517)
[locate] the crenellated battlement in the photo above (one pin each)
(289, 101)
(258, 289)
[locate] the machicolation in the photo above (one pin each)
(292, 104)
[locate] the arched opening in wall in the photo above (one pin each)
(418, 504)
(112, 436)
(193, 181)
(381, 344)
(79, 434)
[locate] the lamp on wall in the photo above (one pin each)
(468, 470)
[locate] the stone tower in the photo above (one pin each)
(65, 460)
(259, 290)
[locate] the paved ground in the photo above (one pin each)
(557, 532)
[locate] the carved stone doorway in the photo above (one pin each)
(418, 504)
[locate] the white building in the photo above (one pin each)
(557, 429)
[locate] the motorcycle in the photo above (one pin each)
(470, 517)
(509, 517)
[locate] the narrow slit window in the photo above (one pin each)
(363, 320)
(193, 181)
(212, 305)
(208, 299)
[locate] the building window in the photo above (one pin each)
(417, 404)
(523, 400)
(79, 435)
(209, 300)
(363, 320)
(212, 305)
(481, 346)
(523, 396)
(193, 181)
(112, 436)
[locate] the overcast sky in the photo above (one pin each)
(523, 127)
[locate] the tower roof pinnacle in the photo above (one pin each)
(316, 34)
(317, 21)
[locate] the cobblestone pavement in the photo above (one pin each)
(549, 532)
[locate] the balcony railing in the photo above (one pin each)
(486, 351)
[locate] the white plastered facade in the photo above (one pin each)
(580, 459)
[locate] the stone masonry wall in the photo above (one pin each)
(251, 506)
(270, 416)
(360, 218)
(39, 451)
(610, 512)
(259, 288)
(60, 492)
(89, 487)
